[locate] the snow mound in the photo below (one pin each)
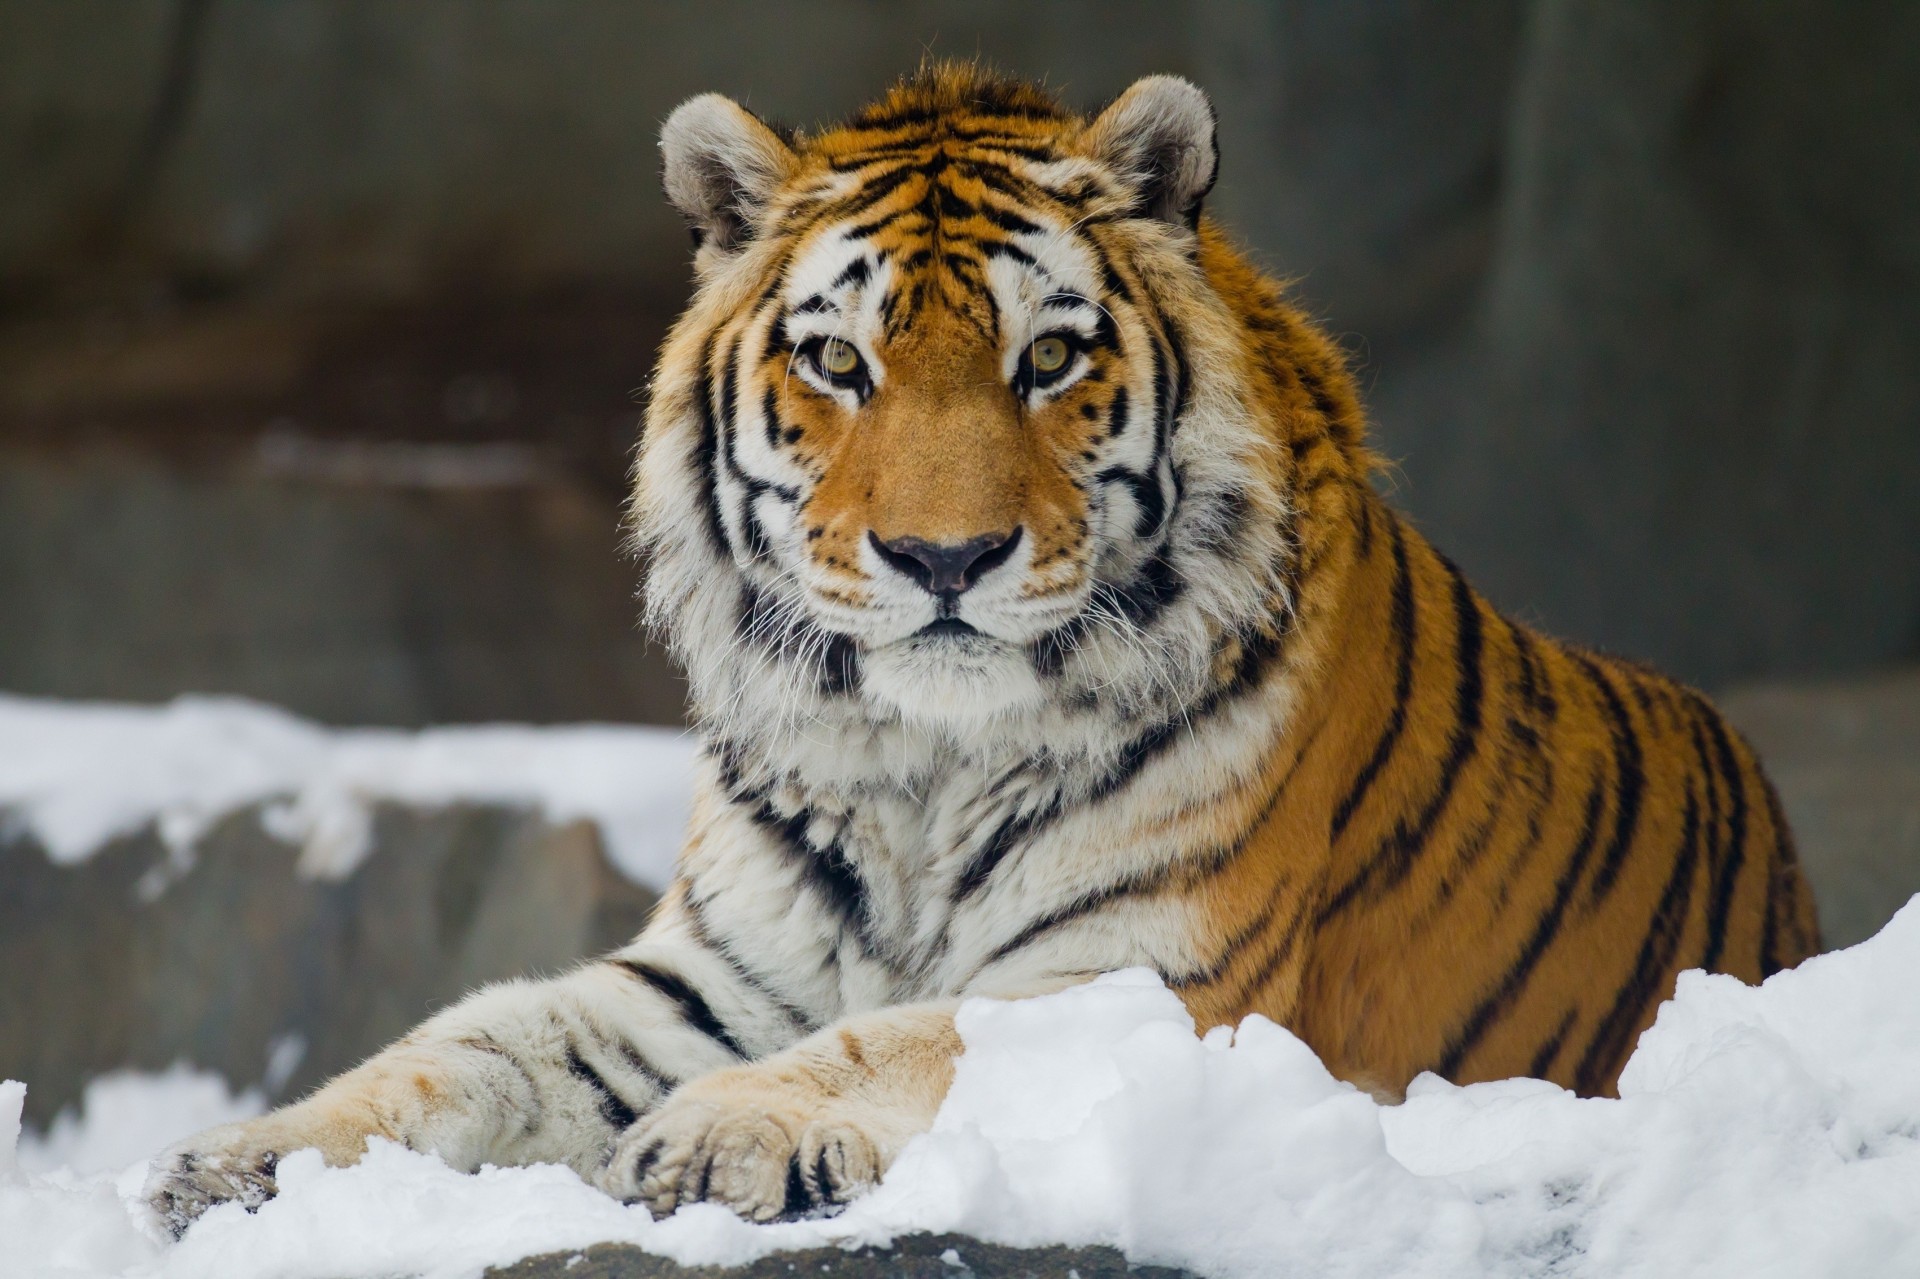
(1769, 1130)
(77, 775)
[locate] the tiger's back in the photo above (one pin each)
(1527, 841)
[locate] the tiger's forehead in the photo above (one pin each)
(938, 218)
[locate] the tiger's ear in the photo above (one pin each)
(1159, 136)
(720, 165)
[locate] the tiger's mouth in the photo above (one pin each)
(948, 626)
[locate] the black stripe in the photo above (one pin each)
(827, 871)
(708, 457)
(1259, 653)
(1609, 1044)
(950, 204)
(1009, 221)
(1153, 589)
(1543, 1059)
(694, 1010)
(1323, 403)
(1189, 869)
(1402, 625)
(1630, 782)
(1536, 680)
(612, 1105)
(1149, 501)
(704, 936)
(1110, 277)
(1280, 954)
(1733, 856)
(1782, 867)
(1012, 832)
(1258, 921)
(1093, 899)
(1117, 413)
(1393, 858)
(839, 666)
(874, 190)
(1012, 252)
(1545, 929)
(1164, 396)
(1709, 780)
(1182, 381)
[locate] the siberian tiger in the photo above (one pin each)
(1018, 541)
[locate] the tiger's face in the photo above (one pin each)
(966, 427)
(937, 381)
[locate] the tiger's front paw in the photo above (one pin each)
(760, 1150)
(231, 1164)
(239, 1163)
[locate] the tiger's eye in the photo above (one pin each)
(839, 358)
(1049, 355)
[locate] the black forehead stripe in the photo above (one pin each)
(1009, 221)
(869, 193)
(1012, 252)
(950, 204)
(1002, 181)
(855, 273)
(812, 305)
(874, 225)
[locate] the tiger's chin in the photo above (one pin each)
(960, 684)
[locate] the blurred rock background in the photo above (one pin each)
(324, 326)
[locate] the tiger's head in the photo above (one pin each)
(950, 434)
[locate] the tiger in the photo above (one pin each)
(1042, 618)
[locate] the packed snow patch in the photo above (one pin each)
(1771, 1130)
(77, 775)
(126, 1115)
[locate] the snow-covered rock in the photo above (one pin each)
(219, 882)
(77, 775)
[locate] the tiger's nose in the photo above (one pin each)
(946, 568)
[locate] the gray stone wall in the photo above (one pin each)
(1636, 294)
(358, 147)
(1635, 290)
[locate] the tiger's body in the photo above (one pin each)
(1041, 620)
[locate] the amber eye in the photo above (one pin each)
(1050, 355)
(1046, 360)
(839, 359)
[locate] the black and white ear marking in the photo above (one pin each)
(720, 165)
(1159, 135)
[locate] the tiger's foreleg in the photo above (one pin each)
(809, 1127)
(521, 1072)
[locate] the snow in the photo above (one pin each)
(78, 775)
(1771, 1130)
(127, 1115)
